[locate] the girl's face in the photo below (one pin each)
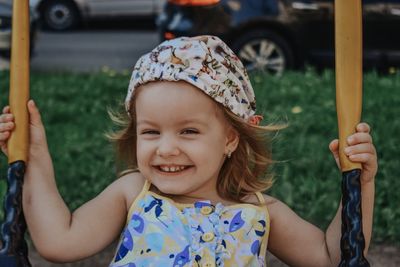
(182, 139)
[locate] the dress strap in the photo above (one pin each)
(146, 186)
(260, 198)
(145, 189)
(264, 242)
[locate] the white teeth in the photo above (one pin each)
(172, 168)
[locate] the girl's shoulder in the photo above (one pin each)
(130, 184)
(275, 206)
(269, 200)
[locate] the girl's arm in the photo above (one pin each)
(62, 236)
(300, 243)
(361, 150)
(58, 234)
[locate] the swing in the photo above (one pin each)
(348, 18)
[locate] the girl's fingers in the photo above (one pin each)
(334, 145)
(3, 142)
(360, 149)
(6, 126)
(6, 109)
(6, 118)
(362, 158)
(363, 127)
(334, 148)
(3, 137)
(360, 137)
(34, 114)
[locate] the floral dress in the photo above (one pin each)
(160, 232)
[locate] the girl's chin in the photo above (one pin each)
(170, 188)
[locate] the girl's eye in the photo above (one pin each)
(150, 132)
(190, 131)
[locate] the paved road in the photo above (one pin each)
(90, 50)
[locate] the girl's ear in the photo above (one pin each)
(232, 140)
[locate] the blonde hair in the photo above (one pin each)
(241, 175)
(246, 172)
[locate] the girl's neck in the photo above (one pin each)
(213, 197)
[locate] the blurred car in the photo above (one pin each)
(5, 28)
(275, 35)
(61, 15)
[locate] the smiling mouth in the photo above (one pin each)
(172, 168)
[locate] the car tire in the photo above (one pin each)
(264, 50)
(60, 15)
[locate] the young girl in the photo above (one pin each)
(195, 160)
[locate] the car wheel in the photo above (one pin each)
(60, 15)
(263, 50)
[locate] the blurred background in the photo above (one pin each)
(82, 53)
(269, 35)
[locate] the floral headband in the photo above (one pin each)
(205, 62)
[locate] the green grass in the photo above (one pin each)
(74, 110)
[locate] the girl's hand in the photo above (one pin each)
(36, 129)
(6, 126)
(360, 150)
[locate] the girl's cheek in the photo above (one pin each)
(145, 150)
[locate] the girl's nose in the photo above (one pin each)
(167, 148)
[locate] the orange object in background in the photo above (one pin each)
(169, 36)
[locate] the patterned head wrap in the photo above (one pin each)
(205, 62)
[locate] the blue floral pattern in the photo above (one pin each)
(160, 232)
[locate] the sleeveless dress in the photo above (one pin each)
(162, 233)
